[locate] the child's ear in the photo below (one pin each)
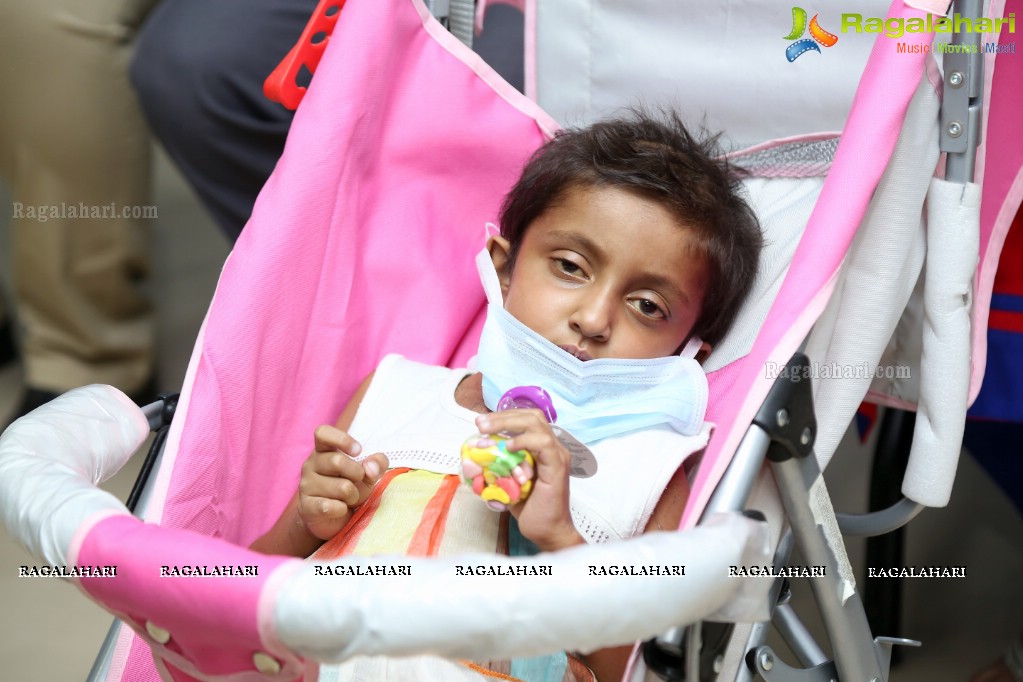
(500, 253)
(705, 349)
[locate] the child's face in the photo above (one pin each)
(605, 273)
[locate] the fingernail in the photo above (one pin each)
(373, 469)
(483, 423)
(356, 448)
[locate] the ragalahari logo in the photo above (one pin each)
(817, 35)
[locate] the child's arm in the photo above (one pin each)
(544, 517)
(332, 484)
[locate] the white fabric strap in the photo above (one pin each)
(370, 615)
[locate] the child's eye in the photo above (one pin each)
(568, 267)
(649, 308)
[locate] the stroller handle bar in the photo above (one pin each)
(51, 461)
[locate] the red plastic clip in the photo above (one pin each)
(280, 86)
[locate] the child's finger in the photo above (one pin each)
(370, 471)
(336, 464)
(313, 485)
(553, 461)
(512, 421)
(374, 466)
(330, 438)
(322, 508)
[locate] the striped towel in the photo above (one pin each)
(409, 512)
(421, 513)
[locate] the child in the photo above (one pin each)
(623, 241)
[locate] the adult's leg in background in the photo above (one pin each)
(199, 72)
(72, 141)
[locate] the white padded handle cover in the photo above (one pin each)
(953, 214)
(435, 610)
(52, 459)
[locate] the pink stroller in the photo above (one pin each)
(293, 328)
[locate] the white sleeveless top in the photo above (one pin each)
(409, 413)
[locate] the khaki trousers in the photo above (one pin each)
(73, 141)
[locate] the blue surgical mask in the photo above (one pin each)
(594, 399)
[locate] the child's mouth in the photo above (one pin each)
(579, 353)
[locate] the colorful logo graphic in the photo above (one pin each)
(817, 35)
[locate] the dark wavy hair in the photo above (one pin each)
(661, 160)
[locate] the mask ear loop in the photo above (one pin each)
(692, 347)
(488, 273)
(488, 276)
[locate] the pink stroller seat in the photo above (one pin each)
(361, 244)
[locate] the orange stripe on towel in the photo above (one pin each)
(489, 673)
(344, 542)
(430, 531)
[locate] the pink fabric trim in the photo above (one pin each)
(480, 16)
(939, 7)
(874, 123)
(934, 75)
(783, 170)
(1001, 172)
(161, 484)
(630, 666)
(449, 42)
(778, 142)
(122, 650)
(752, 399)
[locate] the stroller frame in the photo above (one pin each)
(783, 433)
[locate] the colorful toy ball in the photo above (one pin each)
(501, 477)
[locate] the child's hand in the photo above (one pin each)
(544, 517)
(333, 483)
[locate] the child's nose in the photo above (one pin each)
(592, 317)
